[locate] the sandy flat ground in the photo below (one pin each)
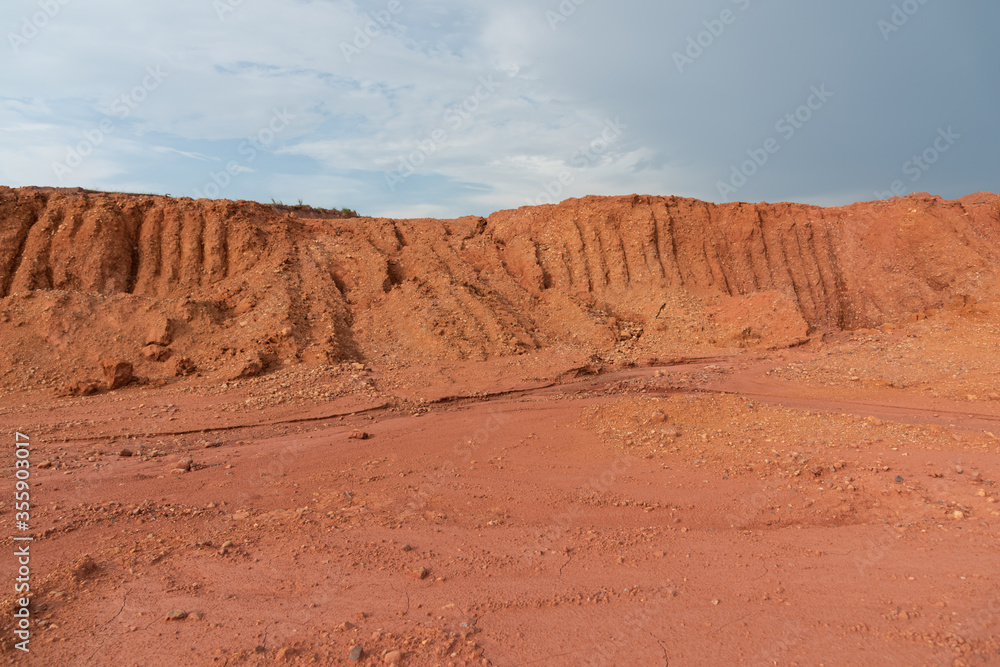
(707, 511)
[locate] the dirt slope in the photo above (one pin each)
(229, 289)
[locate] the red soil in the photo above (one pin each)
(632, 430)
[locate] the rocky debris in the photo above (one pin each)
(155, 352)
(176, 615)
(358, 434)
(117, 374)
(84, 568)
(183, 367)
(79, 389)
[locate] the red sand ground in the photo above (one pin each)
(618, 431)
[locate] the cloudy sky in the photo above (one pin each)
(410, 108)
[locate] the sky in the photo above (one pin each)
(410, 108)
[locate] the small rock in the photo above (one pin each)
(161, 332)
(240, 515)
(419, 573)
(285, 653)
(406, 547)
(959, 469)
(117, 374)
(156, 352)
(716, 601)
(358, 434)
(345, 626)
(976, 476)
(355, 654)
(899, 478)
(958, 514)
(45, 464)
(250, 367)
(392, 658)
(358, 367)
(125, 453)
(176, 615)
(657, 417)
(981, 493)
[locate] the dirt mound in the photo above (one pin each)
(234, 289)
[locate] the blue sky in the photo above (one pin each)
(408, 108)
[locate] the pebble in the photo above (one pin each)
(419, 573)
(959, 469)
(355, 654)
(958, 514)
(177, 615)
(45, 464)
(392, 658)
(125, 453)
(899, 478)
(358, 434)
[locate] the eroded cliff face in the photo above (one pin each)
(235, 288)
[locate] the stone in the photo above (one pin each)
(45, 464)
(251, 366)
(355, 654)
(958, 514)
(156, 352)
(161, 332)
(117, 374)
(392, 658)
(358, 434)
(176, 615)
(125, 453)
(419, 573)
